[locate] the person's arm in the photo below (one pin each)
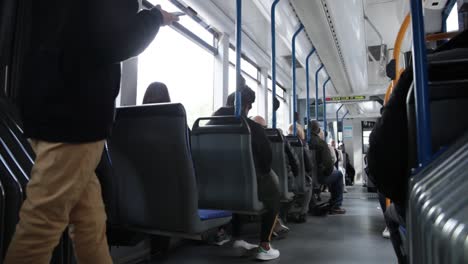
(116, 42)
(261, 148)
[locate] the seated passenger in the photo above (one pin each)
(299, 128)
(280, 230)
(325, 172)
(156, 93)
(338, 162)
(268, 190)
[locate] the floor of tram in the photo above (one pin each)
(355, 237)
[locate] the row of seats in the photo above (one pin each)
(16, 161)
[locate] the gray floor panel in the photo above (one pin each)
(351, 238)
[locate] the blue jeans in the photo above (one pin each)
(335, 186)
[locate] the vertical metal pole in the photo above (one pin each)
(338, 122)
(299, 30)
(325, 105)
(316, 90)
(308, 91)
(273, 59)
(423, 114)
(238, 57)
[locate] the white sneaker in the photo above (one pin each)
(265, 255)
(386, 233)
(243, 244)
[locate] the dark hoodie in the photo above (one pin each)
(71, 72)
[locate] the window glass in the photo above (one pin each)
(281, 113)
(186, 69)
(452, 20)
(247, 67)
(186, 21)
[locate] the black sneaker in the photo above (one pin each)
(337, 210)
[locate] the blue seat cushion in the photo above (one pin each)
(212, 214)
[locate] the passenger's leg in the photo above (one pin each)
(394, 217)
(89, 226)
(335, 185)
(60, 175)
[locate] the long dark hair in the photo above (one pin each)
(156, 93)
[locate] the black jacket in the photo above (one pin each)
(322, 156)
(71, 73)
(261, 148)
(293, 161)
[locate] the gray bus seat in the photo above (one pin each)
(437, 211)
(298, 148)
(153, 175)
(279, 164)
(224, 165)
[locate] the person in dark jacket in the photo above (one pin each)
(325, 173)
(71, 76)
(268, 188)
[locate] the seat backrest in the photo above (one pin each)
(298, 148)
(2, 216)
(280, 161)
(224, 165)
(153, 170)
(437, 215)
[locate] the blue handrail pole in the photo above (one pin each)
(316, 90)
(308, 91)
(342, 119)
(299, 30)
(325, 105)
(423, 114)
(273, 59)
(238, 57)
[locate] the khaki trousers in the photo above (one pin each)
(63, 190)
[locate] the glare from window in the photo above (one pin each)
(452, 20)
(186, 69)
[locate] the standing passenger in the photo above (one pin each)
(71, 78)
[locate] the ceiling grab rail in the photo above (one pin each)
(423, 114)
(299, 30)
(325, 105)
(239, 89)
(308, 91)
(273, 60)
(345, 115)
(316, 90)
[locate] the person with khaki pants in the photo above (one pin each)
(69, 81)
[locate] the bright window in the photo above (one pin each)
(186, 69)
(281, 114)
(452, 20)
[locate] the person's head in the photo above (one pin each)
(276, 104)
(248, 98)
(156, 93)
(231, 99)
(314, 127)
(260, 120)
(299, 132)
(333, 143)
(296, 117)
